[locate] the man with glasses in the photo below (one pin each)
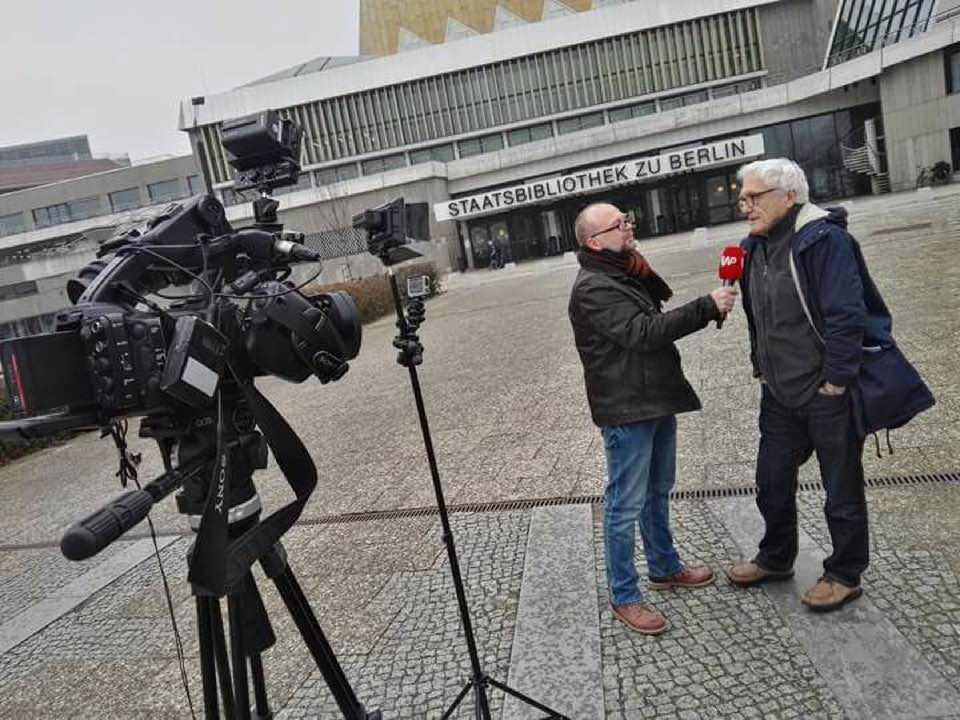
(635, 387)
(805, 305)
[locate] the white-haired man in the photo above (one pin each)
(807, 311)
(635, 387)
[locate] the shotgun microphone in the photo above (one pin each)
(731, 268)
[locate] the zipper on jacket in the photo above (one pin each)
(765, 306)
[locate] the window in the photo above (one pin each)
(195, 184)
(951, 57)
(723, 91)
(480, 145)
(67, 212)
(695, 98)
(12, 224)
(232, 197)
(580, 122)
(338, 173)
(778, 141)
(671, 103)
(632, 111)
(125, 199)
(438, 153)
(20, 289)
(530, 134)
(865, 25)
(382, 164)
(303, 182)
(954, 150)
(164, 191)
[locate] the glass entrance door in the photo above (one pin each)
(500, 234)
(479, 244)
(686, 206)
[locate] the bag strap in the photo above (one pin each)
(220, 564)
(803, 300)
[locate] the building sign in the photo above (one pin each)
(644, 169)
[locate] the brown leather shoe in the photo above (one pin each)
(688, 577)
(640, 618)
(828, 594)
(747, 573)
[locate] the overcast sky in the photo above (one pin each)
(116, 70)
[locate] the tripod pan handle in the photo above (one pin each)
(85, 538)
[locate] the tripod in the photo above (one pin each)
(411, 355)
(241, 450)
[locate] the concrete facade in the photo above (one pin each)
(99, 186)
(677, 127)
(795, 37)
(917, 117)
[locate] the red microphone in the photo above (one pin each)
(731, 268)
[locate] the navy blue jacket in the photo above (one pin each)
(850, 316)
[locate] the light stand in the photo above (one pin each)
(411, 355)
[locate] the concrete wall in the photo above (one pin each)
(917, 117)
(795, 35)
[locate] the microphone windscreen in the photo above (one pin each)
(731, 263)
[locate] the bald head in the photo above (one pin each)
(602, 226)
(592, 218)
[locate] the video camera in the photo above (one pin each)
(117, 352)
(390, 227)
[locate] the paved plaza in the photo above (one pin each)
(504, 394)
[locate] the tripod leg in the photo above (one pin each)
(207, 670)
(460, 697)
(223, 664)
(323, 655)
(527, 700)
(260, 688)
(239, 660)
(481, 706)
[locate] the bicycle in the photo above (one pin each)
(937, 174)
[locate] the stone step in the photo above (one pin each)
(556, 648)
(871, 668)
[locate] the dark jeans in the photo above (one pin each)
(787, 439)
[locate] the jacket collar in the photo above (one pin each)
(808, 214)
(806, 228)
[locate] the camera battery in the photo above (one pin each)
(194, 362)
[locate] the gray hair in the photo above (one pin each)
(779, 173)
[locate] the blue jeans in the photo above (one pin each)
(641, 470)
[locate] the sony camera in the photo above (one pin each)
(117, 351)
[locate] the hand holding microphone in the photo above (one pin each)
(731, 268)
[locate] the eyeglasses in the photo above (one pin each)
(621, 224)
(748, 200)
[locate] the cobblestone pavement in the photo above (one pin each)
(728, 653)
(503, 390)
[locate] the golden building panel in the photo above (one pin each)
(381, 21)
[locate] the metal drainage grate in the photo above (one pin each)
(507, 505)
(905, 228)
(695, 494)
